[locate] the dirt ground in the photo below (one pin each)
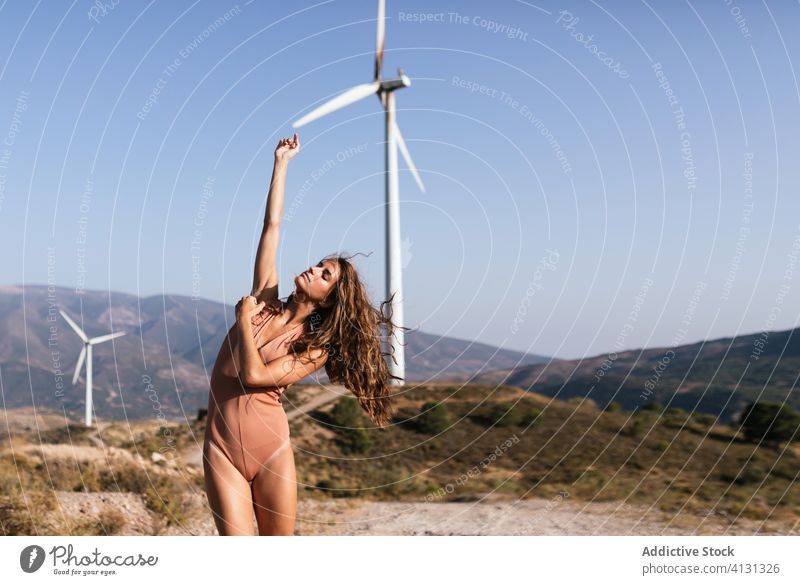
(348, 516)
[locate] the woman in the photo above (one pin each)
(326, 321)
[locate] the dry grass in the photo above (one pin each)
(670, 463)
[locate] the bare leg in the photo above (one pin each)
(229, 494)
(275, 494)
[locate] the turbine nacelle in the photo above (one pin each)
(402, 80)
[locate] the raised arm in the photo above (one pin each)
(265, 273)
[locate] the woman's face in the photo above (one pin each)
(318, 281)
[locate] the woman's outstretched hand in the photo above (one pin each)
(247, 309)
(287, 148)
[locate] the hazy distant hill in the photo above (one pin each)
(171, 342)
(716, 377)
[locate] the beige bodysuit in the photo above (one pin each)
(248, 424)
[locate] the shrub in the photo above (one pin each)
(166, 498)
(64, 474)
(28, 515)
(504, 414)
(434, 418)
(73, 433)
(144, 444)
(107, 523)
(656, 407)
(635, 428)
(530, 416)
(770, 421)
(613, 406)
(162, 493)
(346, 413)
(582, 402)
(333, 489)
(749, 474)
(703, 418)
(125, 477)
(357, 441)
(349, 421)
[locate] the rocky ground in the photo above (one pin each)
(127, 513)
(362, 517)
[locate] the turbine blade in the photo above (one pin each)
(102, 338)
(381, 39)
(79, 365)
(346, 98)
(74, 326)
(407, 155)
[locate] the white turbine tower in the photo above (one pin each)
(86, 352)
(384, 89)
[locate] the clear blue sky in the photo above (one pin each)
(536, 126)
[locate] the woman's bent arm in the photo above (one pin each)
(282, 371)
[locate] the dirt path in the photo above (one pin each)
(529, 517)
(534, 517)
(346, 516)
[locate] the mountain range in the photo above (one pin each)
(717, 377)
(161, 367)
(163, 363)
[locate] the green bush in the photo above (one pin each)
(346, 413)
(530, 416)
(349, 421)
(656, 407)
(333, 489)
(504, 414)
(358, 441)
(434, 418)
(770, 421)
(703, 418)
(752, 473)
(582, 402)
(613, 406)
(635, 428)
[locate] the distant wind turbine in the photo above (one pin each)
(86, 352)
(384, 88)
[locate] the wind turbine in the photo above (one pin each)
(86, 352)
(384, 89)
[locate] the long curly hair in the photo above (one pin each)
(350, 332)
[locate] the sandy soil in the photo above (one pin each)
(362, 517)
(528, 517)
